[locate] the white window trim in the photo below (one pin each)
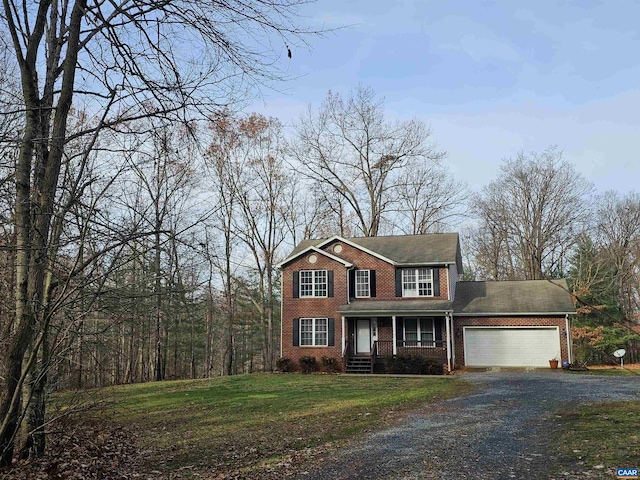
(419, 336)
(314, 285)
(314, 323)
(368, 272)
(416, 272)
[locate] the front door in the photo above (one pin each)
(363, 336)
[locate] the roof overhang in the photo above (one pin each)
(355, 245)
(391, 313)
(316, 250)
(424, 264)
(513, 314)
(389, 308)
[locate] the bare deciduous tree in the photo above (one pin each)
(429, 199)
(353, 151)
(250, 162)
(117, 57)
(618, 235)
(531, 214)
(164, 173)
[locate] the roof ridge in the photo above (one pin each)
(513, 281)
(404, 235)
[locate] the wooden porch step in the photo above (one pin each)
(358, 365)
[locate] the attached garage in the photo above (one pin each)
(511, 346)
(512, 324)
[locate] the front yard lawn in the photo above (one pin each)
(252, 424)
(606, 435)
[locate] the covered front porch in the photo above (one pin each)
(369, 341)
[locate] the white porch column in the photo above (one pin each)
(393, 327)
(344, 340)
(568, 333)
(453, 342)
(446, 321)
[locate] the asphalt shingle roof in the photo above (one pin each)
(405, 249)
(526, 296)
(396, 306)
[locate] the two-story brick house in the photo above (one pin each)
(358, 299)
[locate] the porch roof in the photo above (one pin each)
(396, 307)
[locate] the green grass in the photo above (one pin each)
(253, 421)
(603, 434)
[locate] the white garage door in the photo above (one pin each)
(511, 347)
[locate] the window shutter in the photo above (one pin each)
(352, 283)
(296, 284)
(438, 332)
(435, 273)
(329, 283)
(399, 336)
(296, 332)
(372, 283)
(398, 282)
(331, 332)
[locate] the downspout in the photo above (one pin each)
(446, 321)
(448, 283)
(344, 321)
(453, 341)
(281, 308)
(568, 332)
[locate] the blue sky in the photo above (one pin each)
(492, 78)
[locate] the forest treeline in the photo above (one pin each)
(142, 217)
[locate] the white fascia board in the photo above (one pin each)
(424, 264)
(390, 313)
(317, 250)
(511, 314)
(359, 247)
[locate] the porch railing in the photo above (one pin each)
(345, 358)
(435, 349)
(374, 354)
(384, 348)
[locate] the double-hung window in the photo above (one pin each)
(363, 289)
(314, 332)
(417, 282)
(419, 332)
(313, 283)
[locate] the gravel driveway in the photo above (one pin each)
(501, 431)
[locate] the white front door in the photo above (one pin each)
(363, 336)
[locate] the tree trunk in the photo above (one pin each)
(34, 441)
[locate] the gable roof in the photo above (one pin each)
(312, 248)
(513, 297)
(430, 249)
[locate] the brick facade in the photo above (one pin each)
(312, 307)
(385, 272)
(328, 307)
(460, 322)
(293, 308)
